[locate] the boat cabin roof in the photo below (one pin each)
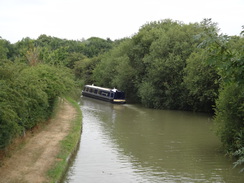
(101, 88)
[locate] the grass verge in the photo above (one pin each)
(68, 146)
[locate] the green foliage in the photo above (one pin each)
(3, 49)
(59, 52)
(84, 67)
(95, 46)
(240, 151)
(58, 57)
(8, 117)
(230, 115)
(201, 80)
(125, 73)
(229, 120)
(33, 73)
(150, 65)
(104, 71)
(227, 56)
(22, 48)
(148, 94)
(27, 96)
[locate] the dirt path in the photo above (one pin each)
(30, 163)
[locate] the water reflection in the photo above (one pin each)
(128, 143)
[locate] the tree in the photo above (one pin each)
(228, 59)
(33, 56)
(84, 67)
(202, 81)
(171, 45)
(95, 46)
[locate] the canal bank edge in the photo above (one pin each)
(68, 146)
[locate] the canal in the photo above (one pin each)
(129, 143)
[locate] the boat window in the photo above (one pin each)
(112, 95)
(104, 93)
(95, 91)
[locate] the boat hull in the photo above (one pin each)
(103, 98)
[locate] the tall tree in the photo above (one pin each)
(227, 56)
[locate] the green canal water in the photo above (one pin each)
(129, 143)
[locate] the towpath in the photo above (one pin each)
(30, 163)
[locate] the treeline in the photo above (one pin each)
(166, 65)
(34, 73)
(172, 65)
(162, 67)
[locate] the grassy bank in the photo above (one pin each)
(68, 146)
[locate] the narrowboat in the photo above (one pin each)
(106, 94)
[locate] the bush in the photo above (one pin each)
(27, 96)
(230, 116)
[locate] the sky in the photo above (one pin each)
(114, 19)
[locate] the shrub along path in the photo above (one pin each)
(32, 161)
